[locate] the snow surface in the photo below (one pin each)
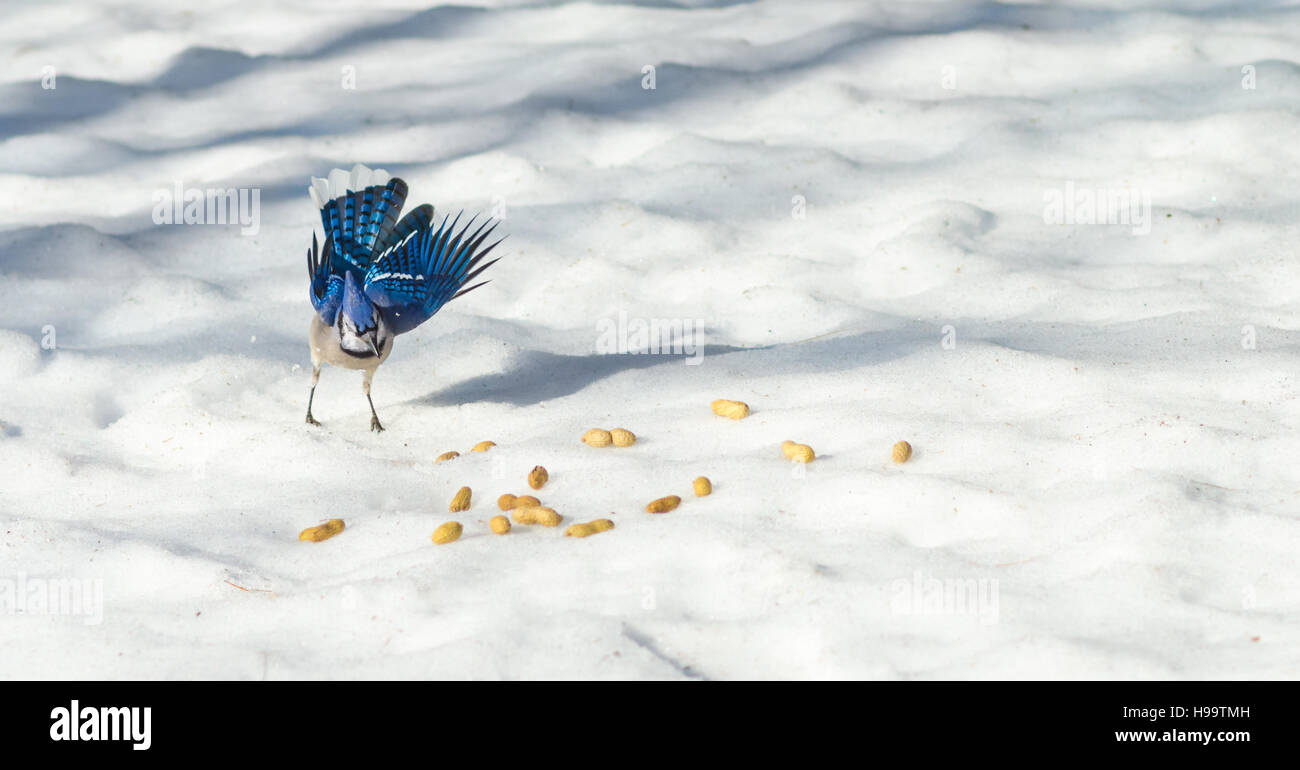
(1105, 453)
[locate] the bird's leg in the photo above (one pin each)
(315, 376)
(365, 387)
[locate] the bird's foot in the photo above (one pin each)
(312, 420)
(374, 424)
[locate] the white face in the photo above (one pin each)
(357, 342)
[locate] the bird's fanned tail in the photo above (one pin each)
(359, 213)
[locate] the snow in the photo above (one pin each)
(1103, 420)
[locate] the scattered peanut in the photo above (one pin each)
(537, 477)
(499, 524)
(703, 487)
(664, 504)
(547, 517)
(461, 501)
(526, 501)
(447, 533)
(506, 501)
(322, 532)
(579, 530)
(597, 437)
(622, 437)
(589, 528)
(483, 446)
(446, 456)
(902, 452)
(798, 452)
(736, 410)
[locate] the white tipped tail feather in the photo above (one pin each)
(339, 182)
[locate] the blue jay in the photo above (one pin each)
(379, 277)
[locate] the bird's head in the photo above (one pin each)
(358, 323)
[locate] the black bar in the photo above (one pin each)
(959, 720)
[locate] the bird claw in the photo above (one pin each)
(312, 420)
(375, 426)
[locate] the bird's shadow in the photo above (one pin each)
(535, 376)
(532, 377)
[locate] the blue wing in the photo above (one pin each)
(415, 220)
(427, 269)
(359, 220)
(326, 285)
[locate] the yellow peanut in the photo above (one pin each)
(589, 528)
(483, 446)
(537, 477)
(526, 501)
(703, 487)
(322, 532)
(499, 524)
(506, 501)
(461, 501)
(622, 437)
(547, 517)
(902, 452)
(597, 437)
(447, 533)
(446, 456)
(801, 453)
(664, 504)
(736, 410)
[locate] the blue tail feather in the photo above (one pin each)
(360, 220)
